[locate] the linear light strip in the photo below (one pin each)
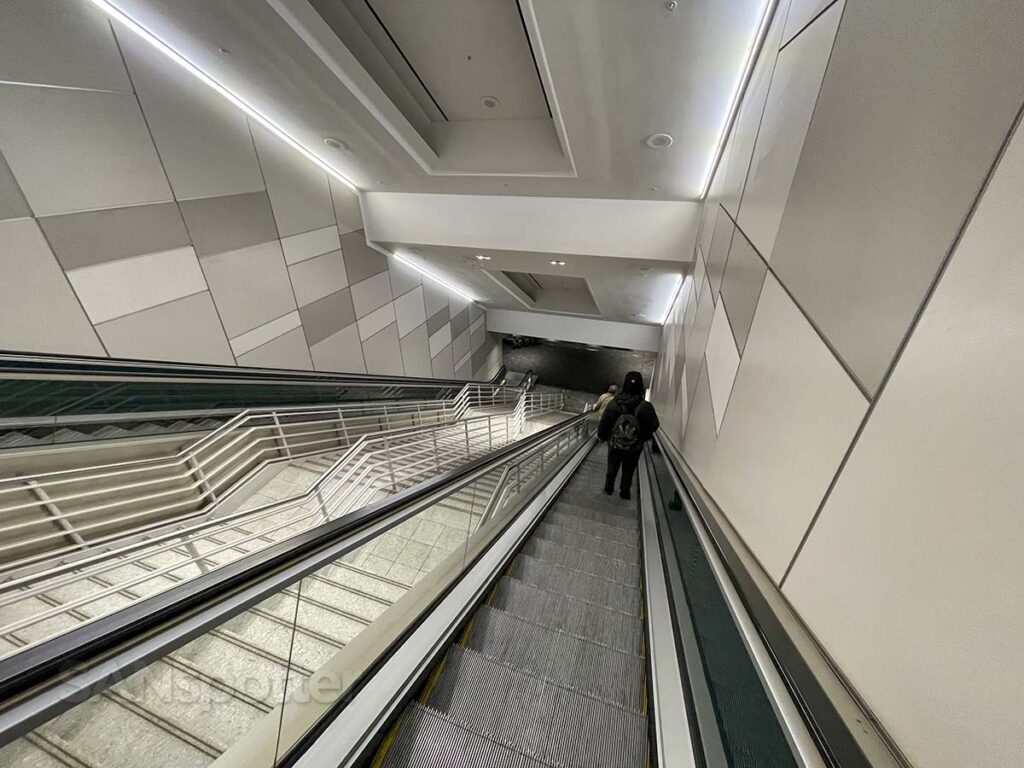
(432, 276)
(119, 16)
(737, 97)
(672, 299)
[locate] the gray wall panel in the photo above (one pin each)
(916, 102)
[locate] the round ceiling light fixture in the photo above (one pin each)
(481, 257)
(490, 101)
(556, 263)
(334, 143)
(659, 141)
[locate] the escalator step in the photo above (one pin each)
(589, 513)
(582, 586)
(428, 739)
(589, 542)
(588, 562)
(552, 723)
(619, 631)
(605, 531)
(568, 661)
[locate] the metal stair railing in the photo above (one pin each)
(97, 658)
(134, 492)
(374, 467)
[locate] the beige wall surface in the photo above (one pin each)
(861, 259)
(144, 216)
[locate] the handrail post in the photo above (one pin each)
(391, 462)
(201, 478)
(466, 425)
(280, 435)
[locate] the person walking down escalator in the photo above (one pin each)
(627, 423)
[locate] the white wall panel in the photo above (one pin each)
(40, 311)
(409, 311)
(120, 287)
(309, 244)
(185, 330)
(299, 191)
(792, 414)
(203, 140)
(787, 114)
(912, 576)
(79, 150)
(723, 360)
(59, 42)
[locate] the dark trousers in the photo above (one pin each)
(627, 460)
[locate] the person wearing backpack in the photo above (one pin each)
(627, 423)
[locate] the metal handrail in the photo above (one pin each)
(206, 467)
(377, 464)
(78, 366)
(38, 686)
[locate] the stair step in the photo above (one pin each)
(549, 722)
(588, 542)
(626, 523)
(587, 621)
(571, 662)
(587, 525)
(580, 560)
(428, 739)
(576, 584)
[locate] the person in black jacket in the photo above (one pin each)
(627, 423)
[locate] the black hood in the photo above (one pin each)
(628, 402)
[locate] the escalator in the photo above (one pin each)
(60, 399)
(551, 668)
(542, 624)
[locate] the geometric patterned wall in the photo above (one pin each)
(842, 370)
(143, 216)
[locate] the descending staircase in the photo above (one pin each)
(45, 435)
(551, 670)
(189, 707)
(45, 606)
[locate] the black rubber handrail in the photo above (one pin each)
(41, 667)
(36, 387)
(122, 368)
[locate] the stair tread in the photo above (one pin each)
(537, 717)
(578, 618)
(583, 666)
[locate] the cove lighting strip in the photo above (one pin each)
(119, 16)
(426, 273)
(737, 96)
(672, 299)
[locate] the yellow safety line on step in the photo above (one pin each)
(387, 743)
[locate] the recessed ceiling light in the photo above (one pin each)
(334, 143)
(489, 101)
(481, 257)
(556, 263)
(658, 141)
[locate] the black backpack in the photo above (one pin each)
(625, 434)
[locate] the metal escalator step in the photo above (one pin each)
(16, 440)
(589, 513)
(597, 528)
(428, 739)
(576, 584)
(493, 700)
(587, 541)
(569, 661)
(619, 631)
(580, 560)
(554, 724)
